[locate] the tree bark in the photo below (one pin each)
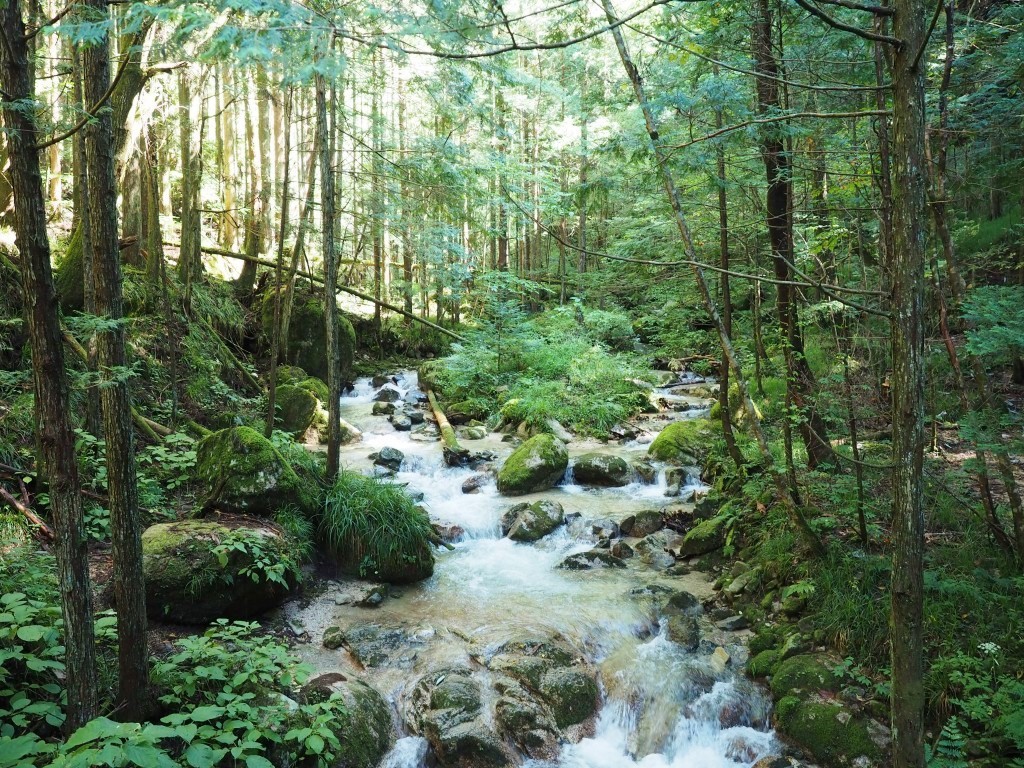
(133, 659)
(907, 290)
(53, 415)
(330, 283)
(275, 340)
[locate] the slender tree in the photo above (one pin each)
(125, 527)
(53, 416)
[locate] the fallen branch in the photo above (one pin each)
(454, 454)
(45, 530)
(317, 279)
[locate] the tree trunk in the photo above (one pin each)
(275, 338)
(330, 283)
(907, 290)
(133, 659)
(778, 167)
(52, 410)
(190, 119)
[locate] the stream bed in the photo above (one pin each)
(661, 706)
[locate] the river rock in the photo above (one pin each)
(646, 471)
(536, 465)
(472, 433)
(415, 415)
(240, 470)
(601, 469)
(449, 532)
(733, 623)
(708, 536)
(682, 601)
(475, 482)
(683, 630)
(530, 522)
(296, 409)
(372, 645)
(187, 582)
(428, 433)
(390, 458)
(366, 733)
(655, 546)
(622, 550)
(642, 523)
(401, 422)
(590, 560)
(383, 409)
(832, 734)
(525, 720)
(388, 394)
(380, 380)
(684, 442)
(743, 580)
(605, 528)
(719, 660)
(447, 710)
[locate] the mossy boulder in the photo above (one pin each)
(296, 409)
(806, 673)
(536, 465)
(834, 736)
(708, 536)
(189, 582)
(307, 334)
(683, 442)
(290, 374)
(764, 663)
(240, 470)
(601, 469)
(530, 522)
(315, 387)
(571, 693)
(366, 732)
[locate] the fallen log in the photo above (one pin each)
(45, 531)
(454, 454)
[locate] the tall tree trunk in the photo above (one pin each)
(125, 528)
(907, 290)
(297, 247)
(275, 337)
(330, 283)
(52, 410)
(723, 252)
(255, 217)
(778, 166)
(190, 119)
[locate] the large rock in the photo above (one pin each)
(388, 394)
(296, 409)
(189, 582)
(833, 735)
(708, 536)
(591, 560)
(307, 334)
(530, 522)
(240, 470)
(683, 442)
(643, 523)
(536, 465)
(366, 733)
(602, 470)
(447, 710)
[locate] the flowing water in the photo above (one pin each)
(661, 706)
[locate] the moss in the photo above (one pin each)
(538, 464)
(186, 581)
(367, 734)
(69, 276)
(764, 663)
(307, 335)
(296, 409)
(290, 374)
(239, 469)
(708, 536)
(820, 728)
(571, 694)
(531, 522)
(765, 639)
(804, 673)
(683, 442)
(315, 387)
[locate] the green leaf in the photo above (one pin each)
(257, 761)
(204, 714)
(203, 756)
(32, 633)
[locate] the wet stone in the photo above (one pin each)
(388, 394)
(391, 458)
(591, 560)
(401, 422)
(733, 623)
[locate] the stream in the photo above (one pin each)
(661, 707)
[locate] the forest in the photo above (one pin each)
(543, 383)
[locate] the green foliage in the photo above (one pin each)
(996, 315)
(264, 562)
(372, 523)
(171, 461)
(550, 367)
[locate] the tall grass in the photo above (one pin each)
(371, 524)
